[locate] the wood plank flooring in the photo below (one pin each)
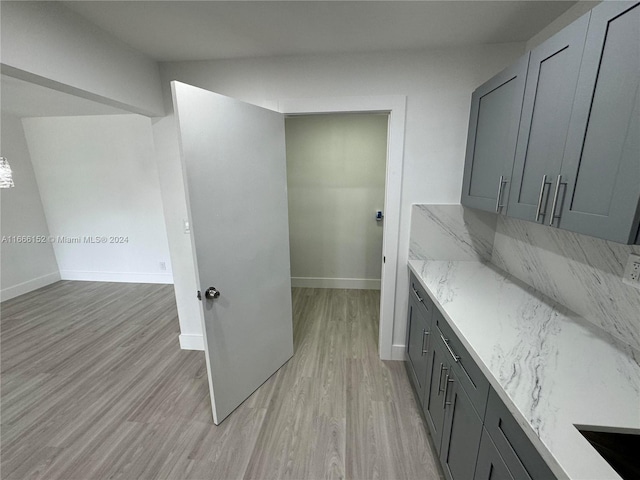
(95, 386)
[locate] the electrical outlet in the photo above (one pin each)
(163, 266)
(632, 271)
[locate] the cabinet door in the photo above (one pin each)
(417, 344)
(548, 98)
(433, 404)
(490, 465)
(599, 187)
(491, 141)
(517, 452)
(461, 432)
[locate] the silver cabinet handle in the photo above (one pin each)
(500, 187)
(554, 205)
(456, 358)
(415, 292)
(447, 381)
(544, 184)
(425, 334)
(442, 368)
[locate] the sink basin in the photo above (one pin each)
(620, 448)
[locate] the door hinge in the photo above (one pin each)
(384, 259)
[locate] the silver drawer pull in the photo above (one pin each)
(415, 292)
(442, 369)
(425, 334)
(554, 205)
(456, 358)
(544, 184)
(446, 391)
(500, 187)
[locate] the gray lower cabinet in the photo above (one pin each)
(433, 403)
(451, 416)
(518, 453)
(490, 465)
(551, 84)
(418, 332)
(459, 361)
(417, 343)
(598, 190)
(461, 433)
(475, 435)
(491, 141)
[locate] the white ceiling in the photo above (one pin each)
(202, 30)
(186, 30)
(26, 99)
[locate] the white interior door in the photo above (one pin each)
(234, 163)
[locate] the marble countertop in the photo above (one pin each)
(552, 368)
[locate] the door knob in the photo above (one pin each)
(211, 293)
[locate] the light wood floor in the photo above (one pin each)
(94, 385)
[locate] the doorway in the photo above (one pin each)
(336, 167)
(395, 107)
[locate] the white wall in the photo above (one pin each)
(336, 167)
(23, 266)
(438, 86)
(47, 44)
(576, 11)
(97, 177)
(185, 282)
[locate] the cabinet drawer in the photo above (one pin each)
(419, 294)
(517, 451)
(469, 375)
(490, 465)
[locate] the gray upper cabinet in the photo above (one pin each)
(599, 184)
(576, 156)
(491, 141)
(550, 88)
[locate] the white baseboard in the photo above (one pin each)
(347, 283)
(123, 277)
(397, 352)
(28, 286)
(191, 342)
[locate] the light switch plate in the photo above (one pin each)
(632, 271)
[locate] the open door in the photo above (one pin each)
(233, 157)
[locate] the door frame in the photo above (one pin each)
(395, 106)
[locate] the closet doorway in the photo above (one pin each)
(394, 107)
(336, 165)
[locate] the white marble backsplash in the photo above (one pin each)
(451, 232)
(580, 272)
